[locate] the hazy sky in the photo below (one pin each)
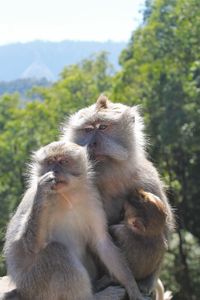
(100, 20)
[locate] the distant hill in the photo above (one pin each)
(22, 86)
(40, 59)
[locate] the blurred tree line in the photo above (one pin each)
(160, 70)
(22, 86)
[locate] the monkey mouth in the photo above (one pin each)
(95, 156)
(60, 183)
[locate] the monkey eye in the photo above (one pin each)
(89, 129)
(122, 214)
(50, 161)
(102, 126)
(63, 161)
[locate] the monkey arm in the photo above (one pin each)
(36, 220)
(122, 237)
(116, 264)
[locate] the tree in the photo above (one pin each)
(24, 127)
(160, 71)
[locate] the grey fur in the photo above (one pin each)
(119, 155)
(59, 216)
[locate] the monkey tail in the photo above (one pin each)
(160, 292)
(168, 295)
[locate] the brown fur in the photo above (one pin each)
(143, 222)
(120, 160)
(59, 218)
(101, 102)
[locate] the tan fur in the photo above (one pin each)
(102, 102)
(120, 159)
(142, 218)
(59, 218)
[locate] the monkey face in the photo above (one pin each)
(67, 162)
(133, 219)
(107, 129)
(145, 213)
(102, 141)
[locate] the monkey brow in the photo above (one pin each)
(54, 156)
(97, 118)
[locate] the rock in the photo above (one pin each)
(6, 286)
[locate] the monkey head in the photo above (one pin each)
(111, 131)
(67, 162)
(145, 214)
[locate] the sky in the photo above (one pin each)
(56, 20)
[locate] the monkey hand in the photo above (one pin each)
(117, 230)
(47, 182)
(134, 293)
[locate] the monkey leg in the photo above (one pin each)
(147, 284)
(111, 292)
(55, 274)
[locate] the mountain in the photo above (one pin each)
(23, 86)
(43, 59)
(38, 70)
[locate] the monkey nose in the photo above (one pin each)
(93, 145)
(55, 171)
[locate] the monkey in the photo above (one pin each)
(114, 136)
(144, 219)
(60, 216)
(144, 215)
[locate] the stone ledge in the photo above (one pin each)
(5, 284)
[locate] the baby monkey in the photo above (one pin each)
(59, 218)
(140, 234)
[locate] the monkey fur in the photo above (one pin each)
(60, 216)
(143, 223)
(113, 134)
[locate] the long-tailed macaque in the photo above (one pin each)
(140, 234)
(113, 133)
(59, 217)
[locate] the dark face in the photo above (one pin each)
(93, 136)
(67, 162)
(104, 140)
(59, 165)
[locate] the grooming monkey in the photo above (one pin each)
(113, 133)
(140, 235)
(143, 222)
(59, 217)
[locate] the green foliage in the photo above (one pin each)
(24, 128)
(161, 71)
(22, 86)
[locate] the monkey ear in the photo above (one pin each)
(133, 112)
(137, 225)
(102, 102)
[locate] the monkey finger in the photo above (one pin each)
(47, 178)
(112, 292)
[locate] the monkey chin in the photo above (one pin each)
(60, 185)
(98, 157)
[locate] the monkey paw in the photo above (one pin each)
(111, 292)
(47, 181)
(117, 230)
